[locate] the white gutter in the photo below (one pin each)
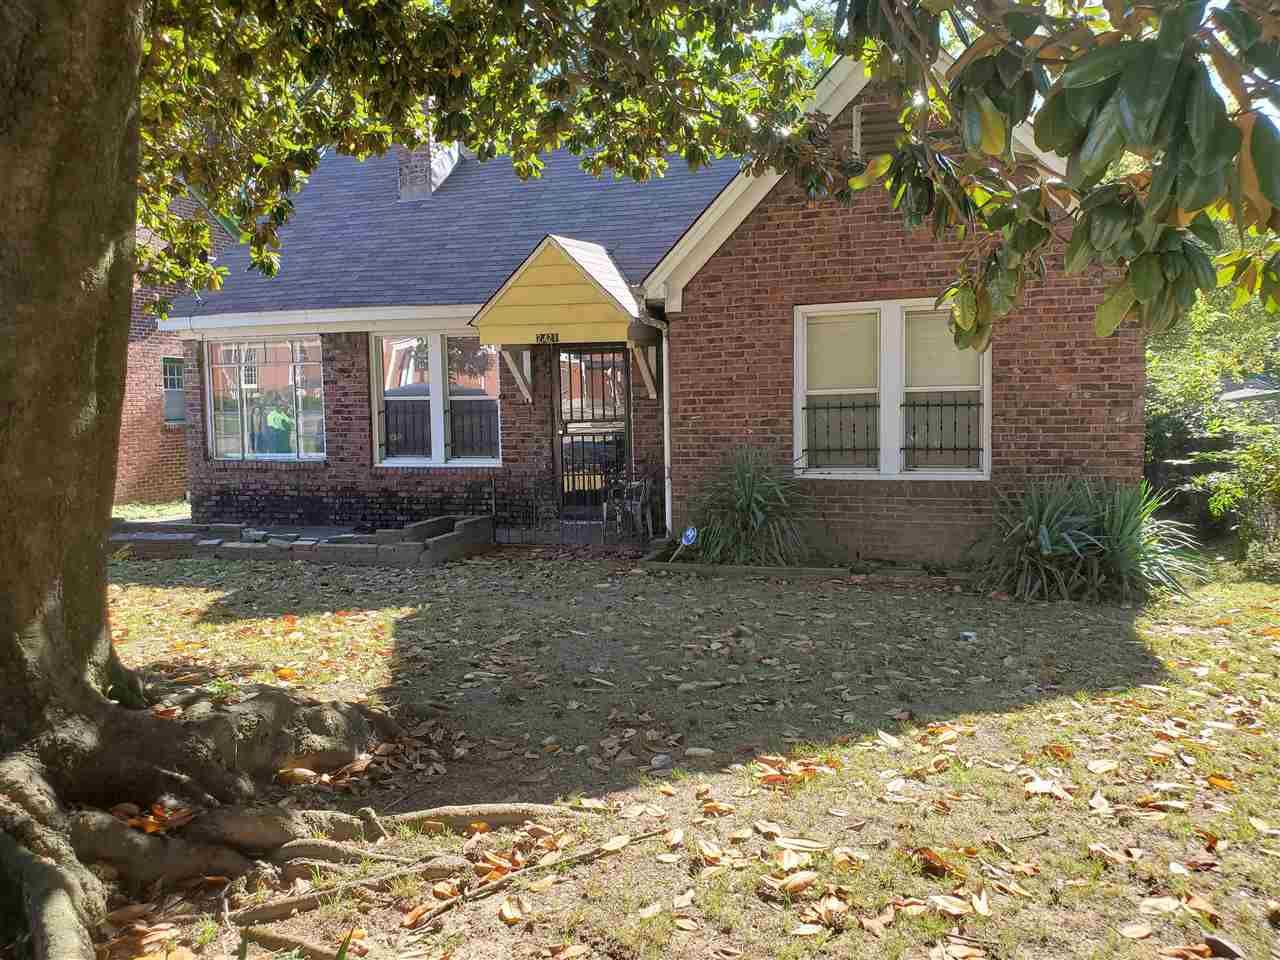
(339, 320)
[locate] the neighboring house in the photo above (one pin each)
(1255, 389)
(151, 458)
(440, 328)
(151, 464)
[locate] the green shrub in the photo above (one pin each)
(748, 513)
(1250, 491)
(1076, 540)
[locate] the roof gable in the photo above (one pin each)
(837, 89)
(567, 288)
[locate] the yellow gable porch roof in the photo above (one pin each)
(565, 291)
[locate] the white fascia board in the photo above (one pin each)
(441, 316)
(666, 282)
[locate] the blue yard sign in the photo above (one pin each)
(687, 539)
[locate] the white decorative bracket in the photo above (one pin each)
(645, 361)
(520, 372)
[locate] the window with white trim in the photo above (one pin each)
(435, 400)
(882, 390)
(266, 399)
(172, 376)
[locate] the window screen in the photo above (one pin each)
(842, 401)
(942, 403)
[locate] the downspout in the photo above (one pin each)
(661, 324)
(666, 430)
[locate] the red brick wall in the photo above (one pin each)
(1063, 401)
(347, 487)
(152, 462)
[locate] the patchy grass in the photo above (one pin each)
(169, 510)
(1074, 770)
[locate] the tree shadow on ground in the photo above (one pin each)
(556, 678)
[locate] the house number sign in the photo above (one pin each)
(547, 338)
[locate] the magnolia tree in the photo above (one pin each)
(115, 113)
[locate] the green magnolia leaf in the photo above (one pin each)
(1206, 114)
(971, 125)
(1144, 88)
(1264, 146)
(1101, 63)
(993, 126)
(1056, 130)
(1219, 150)
(1103, 144)
(1202, 270)
(1197, 191)
(964, 308)
(1146, 277)
(1177, 25)
(1080, 252)
(1163, 181)
(1112, 311)
(1174, 265)
(1021, 24)
(1083, 101)
(1205, 231)
(1107, 225)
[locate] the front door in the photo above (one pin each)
(592, 416)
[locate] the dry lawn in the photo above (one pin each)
(944, 776)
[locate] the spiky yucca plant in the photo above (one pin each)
(1076, 540)
(749, 512)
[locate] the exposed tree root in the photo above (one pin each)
(437, 868)
(144, 858)
(260, 830)
(493, 886)
(373, 827)
(296, 870)
(211, 756)
(279, 941)
(331, 852)
(51, 898)
(458, 819)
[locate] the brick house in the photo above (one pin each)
(151, 464)
(440, 328)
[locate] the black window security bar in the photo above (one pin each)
(942, 428)
(473, 429)
(842, 432)
(593, 385)
(408, 428)
(589, 463)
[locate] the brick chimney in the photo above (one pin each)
(425, 167)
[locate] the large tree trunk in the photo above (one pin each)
(68, 173)
(69, 147)
(68, 186)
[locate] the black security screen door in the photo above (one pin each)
(592, 424)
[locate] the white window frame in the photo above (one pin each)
(438, 371)
(180, 363)
(892, 388)
(211, 444)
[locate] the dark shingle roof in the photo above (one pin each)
(352, 243)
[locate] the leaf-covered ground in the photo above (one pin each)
(827, 768)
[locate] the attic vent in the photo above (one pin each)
(875, 129)
(424, 168)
